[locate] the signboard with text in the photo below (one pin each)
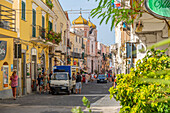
(158, 8)
(3, 49)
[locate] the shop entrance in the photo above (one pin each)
(33, 73)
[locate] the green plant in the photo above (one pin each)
(52, 36)
(137, 93)
(106, 10)
(86, 103)
(49, 3)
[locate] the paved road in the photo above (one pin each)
(62, 103)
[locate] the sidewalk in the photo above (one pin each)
(105, 105)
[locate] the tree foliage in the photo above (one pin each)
(106, 10)
(146, 88)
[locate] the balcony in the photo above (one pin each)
(76, 55)
(49, 4)
(38, 34)
(7, 21)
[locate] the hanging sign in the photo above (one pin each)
(158, 8)
(33, 51)
(3, 49)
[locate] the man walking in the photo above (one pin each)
(78, 82)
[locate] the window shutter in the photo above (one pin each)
(43, 22)
(34, 23)
(127, 50)
(23, 10)
(134, 51)
(83, 55)
(50, 26)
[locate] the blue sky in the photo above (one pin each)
(105, 36)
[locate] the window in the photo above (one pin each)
(43, 22)
(23, 10)
(79, 40)
(77, 50)
(50, 26)
(33, 23)
(76, 38)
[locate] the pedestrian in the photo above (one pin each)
(115, 83)
(45, 80)
(14, 83)
(40, 82)
(92, 77)
(74, 77)
(86, 78)
(49, 81)
(78, 82)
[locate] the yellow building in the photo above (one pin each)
(7, 35)
(35, 22)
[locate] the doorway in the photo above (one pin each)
(23, 74)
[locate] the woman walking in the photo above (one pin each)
(45, 81)
(14, 83)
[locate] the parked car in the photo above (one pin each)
(101, 78)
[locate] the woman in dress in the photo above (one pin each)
(14, 83)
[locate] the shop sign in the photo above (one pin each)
(3, 49)
(158, 8)
(33, 51)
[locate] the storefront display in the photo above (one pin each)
(5, 76)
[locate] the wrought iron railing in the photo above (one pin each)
(38, 31)
(42, 32)
(7, 18)
(75, 55)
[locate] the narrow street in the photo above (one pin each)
(97, 93)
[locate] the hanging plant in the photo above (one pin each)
(49, 4)
(53, 37)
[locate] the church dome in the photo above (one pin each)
(91, 24)
(80, 20)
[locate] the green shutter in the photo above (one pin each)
(23, 10)
(43, 22)
(50, 26)
(83, 55)
(34, 23)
